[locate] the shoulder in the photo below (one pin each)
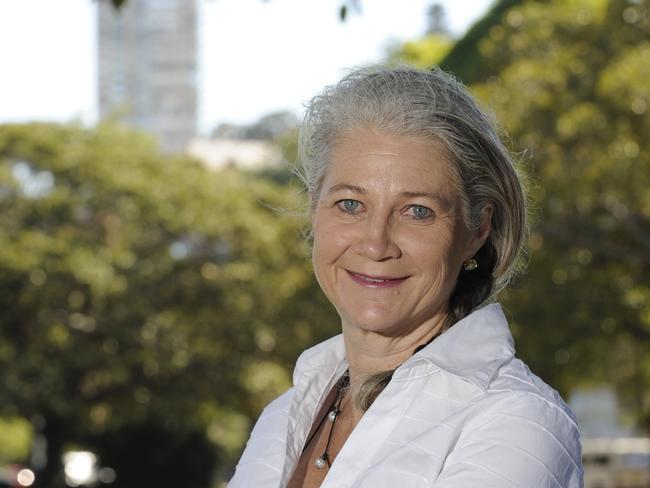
(521, 431)
(517, 390)
(271, 424)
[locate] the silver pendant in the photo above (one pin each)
(320, 462)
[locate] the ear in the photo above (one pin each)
(480, 235)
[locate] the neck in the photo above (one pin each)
(370, 352)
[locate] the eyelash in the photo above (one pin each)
(341, 205)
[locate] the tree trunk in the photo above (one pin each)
(51, 475)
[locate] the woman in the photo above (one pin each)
(418, 219)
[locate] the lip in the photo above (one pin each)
(376, 281)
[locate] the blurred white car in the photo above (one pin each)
(616, 462)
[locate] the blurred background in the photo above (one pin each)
(155, 285)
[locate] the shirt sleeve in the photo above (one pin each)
(524, 441)
(263, 458)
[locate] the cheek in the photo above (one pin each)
(323, 254)
(324, 250)
(331, 239)
(435, 256)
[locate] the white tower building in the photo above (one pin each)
(147, 64)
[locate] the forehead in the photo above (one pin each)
(375, 159)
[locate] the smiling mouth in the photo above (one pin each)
(376, 281)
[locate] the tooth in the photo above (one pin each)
(375, 280)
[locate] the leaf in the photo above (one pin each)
(343, 12)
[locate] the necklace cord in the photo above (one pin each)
(343, 383)
(335, 409)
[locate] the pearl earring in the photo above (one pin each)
(470, 265)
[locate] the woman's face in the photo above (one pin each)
(389, 234)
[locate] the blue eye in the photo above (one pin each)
(420, 211)
(349, 206)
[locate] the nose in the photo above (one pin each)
(377, 240)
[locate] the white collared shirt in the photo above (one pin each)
(461, 413)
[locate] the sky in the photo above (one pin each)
(255, 56)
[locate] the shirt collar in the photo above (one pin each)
(474, 348)
(323, 358)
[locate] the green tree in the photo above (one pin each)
(464, 58)
(572, 89)
(138, 286)
(423, 53)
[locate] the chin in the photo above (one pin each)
(375, 319)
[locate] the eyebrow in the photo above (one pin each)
(433, 196)
(345, 186)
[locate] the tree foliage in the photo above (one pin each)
(464, 58)
(581, 108)
(423, 53)
(136, 286)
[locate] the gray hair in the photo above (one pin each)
(435, 106)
